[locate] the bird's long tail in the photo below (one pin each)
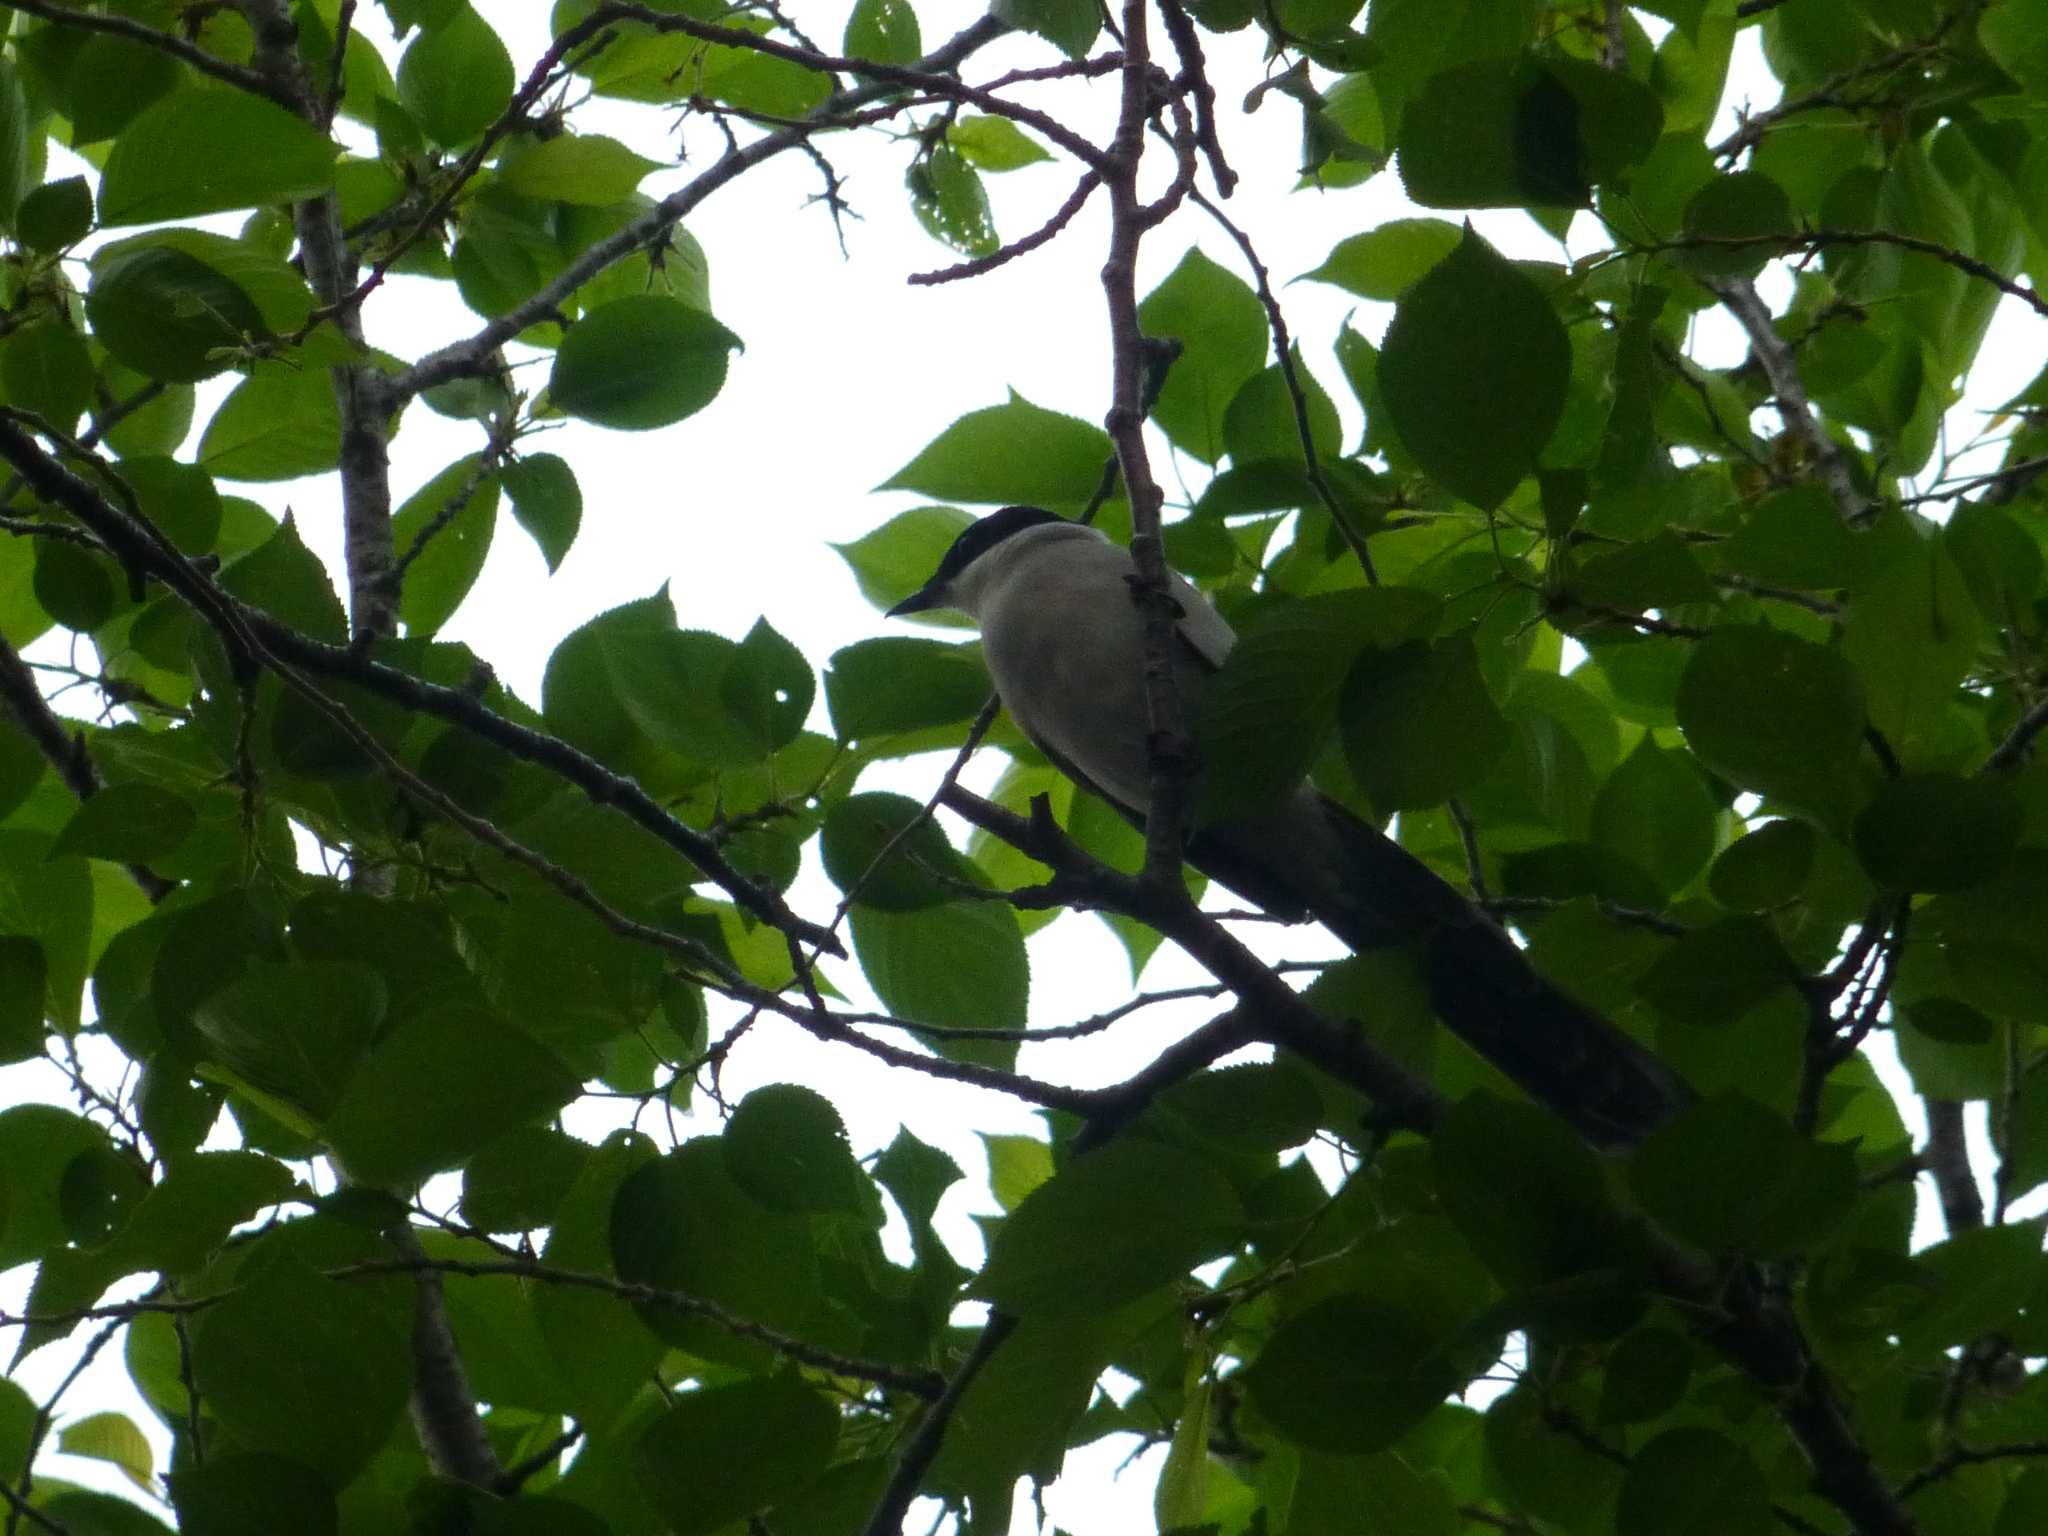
(1310, 857)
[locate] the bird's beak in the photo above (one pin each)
(930, 595)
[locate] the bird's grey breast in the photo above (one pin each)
(1064, 642)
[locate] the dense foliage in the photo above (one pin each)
(1720, 682)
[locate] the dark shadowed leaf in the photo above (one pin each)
(439, 1088)
(1418, 723)
(1692, 1482)
(1731, 1176)
(920, 867)
(722, 1453)
(330, 1399)
(129, 822)
(1109, 1227)
(1474, 372)
(1772, 712)
(1938, 832)
(785, 1145)
(547, 502)
(1350, 1374)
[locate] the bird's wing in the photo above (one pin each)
(1207, 635)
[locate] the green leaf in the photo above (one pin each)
(21, 151)
(1069, 25)
(1182, 1495)
(1350, 1374)
(1712, 975)
(1385, 262)
(1733, 208)
(1774, 713)
(1418, 723)
(1913, 634)
(455, 77)
(279, 423)
(1646, 1376)
(517, 1182)
(899, 557)
(182, 1222)
(896, 683)
(682, 1223)
(1527, 131)
(1260, 424)
(203, 151)
(295, 1030)
(950, 202)
(1107, 1228)
(640, 362)
(1016, 1166)
(110, 80)
(179, 499)
(1765, 868)
(1334, 1494)
(547, 502)
(287, 581)
(993, 143)
(1938, 832)
(1011, 453)
(961, 965)
(723, 1453)
(1264, 1106)
(1731, 1177)
(1527, 1194)
(329, 1400)
(114, 1438)
(127, 822)
(448, 565)
(1267, 714)
(56, 216)
(1221, 327)
(1690, 1482)
(1656, 811)
(1474, 373)
(887, 32)
(80, 1513)
(45, 368)
(166, 312)
(438, 1088)
(920, 860)
(75, 586)
(701, 695)
(586, 169)
(785, 1145)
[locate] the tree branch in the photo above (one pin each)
(63, 747)
(237, 75)
(1740, 298)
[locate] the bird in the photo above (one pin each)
(1063, 637)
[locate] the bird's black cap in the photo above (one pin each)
(975, 540)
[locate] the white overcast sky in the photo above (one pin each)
(847, 373)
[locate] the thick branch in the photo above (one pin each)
(1946, 1157)
(361, 399)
